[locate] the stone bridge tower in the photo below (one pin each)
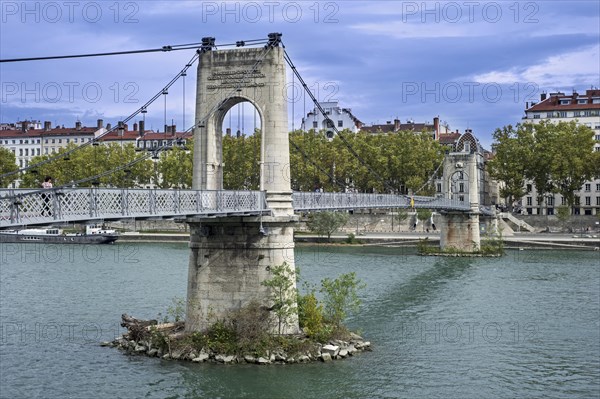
(462, 180)
(232, 256)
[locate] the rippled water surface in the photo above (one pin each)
(523, 326)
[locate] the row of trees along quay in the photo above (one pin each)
(554, 157)
(557, 158)
(402, 161)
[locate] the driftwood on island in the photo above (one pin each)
(136, 328)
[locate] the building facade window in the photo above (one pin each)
(529, 201)
(597, 201)
(588, 201)
(588, 187)
(340, 123)
(315, 125)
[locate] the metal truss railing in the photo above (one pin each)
(30, 207)
(307, 201)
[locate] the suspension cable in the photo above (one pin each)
(331, 124)
(431, 177)
(96, 139)
(167, 48)
(157, 150)
(206, 44)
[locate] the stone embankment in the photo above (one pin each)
(146, 346)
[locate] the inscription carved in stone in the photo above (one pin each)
(234, 79)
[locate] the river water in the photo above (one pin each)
(523, 326)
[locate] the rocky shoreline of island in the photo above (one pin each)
(170, 341)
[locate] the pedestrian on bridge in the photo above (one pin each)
(47, 184)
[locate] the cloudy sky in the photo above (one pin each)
(474, 64)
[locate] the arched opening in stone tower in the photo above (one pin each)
(240, 123)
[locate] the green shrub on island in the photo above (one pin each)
(248, 331)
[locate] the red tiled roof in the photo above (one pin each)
(45, 133)
(132, 135)
(115, 136)
(552, 103)
(168, 136)
(547, 105)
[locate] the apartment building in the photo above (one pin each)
(557, 107)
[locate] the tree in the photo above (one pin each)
(508, 163)
(341, 297)
(563, 213)
(325, 223)
(556, 157)
(282, 294)
(90, 161)
(175, 167)
(575, 161)
(7, 165)
(424, 215)
(404, 160)
(401, 215)
(241, 156)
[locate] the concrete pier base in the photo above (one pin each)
(460, 231)
(230, 258)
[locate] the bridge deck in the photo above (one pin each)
(37, 207)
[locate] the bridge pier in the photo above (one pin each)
(460, 231)
(230, 258)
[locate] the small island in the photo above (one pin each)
(254, 333)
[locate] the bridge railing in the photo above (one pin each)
(27, 206)
(306, 201)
